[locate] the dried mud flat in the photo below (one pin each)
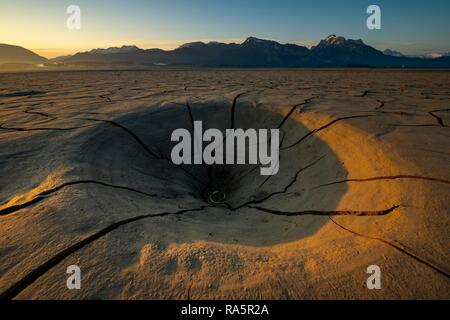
(86, 179)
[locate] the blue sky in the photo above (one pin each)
(414, 26)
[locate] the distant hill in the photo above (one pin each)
(17, 55)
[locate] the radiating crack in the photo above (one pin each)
(397, 247)
(279, 127)
(386, 178)
(144, 146)
(439, 119)
(233, 108)
(288, 115)
(208, 167)
(364, 94)
(131, 133)
(441, 110)
(35, 274)
(211, 168)
(328, 213)
(286, 188)
(326, 126)
(43, 195)
(243, 176)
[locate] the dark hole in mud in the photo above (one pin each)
(217, 197)
(233, 191)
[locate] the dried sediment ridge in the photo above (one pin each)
(91, 183)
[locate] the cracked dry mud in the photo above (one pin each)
(86, 179)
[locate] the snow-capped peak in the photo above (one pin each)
(333, 39)
(252, 40)
(192, 44)
(393, 53)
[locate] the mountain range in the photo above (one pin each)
(334, 51)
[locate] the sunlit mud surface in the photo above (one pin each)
(86, 179)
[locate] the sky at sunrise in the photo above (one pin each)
(412, 27)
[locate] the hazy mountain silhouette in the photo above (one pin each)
(15, 54)
(334, 51)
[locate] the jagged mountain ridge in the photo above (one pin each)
(334, 51)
